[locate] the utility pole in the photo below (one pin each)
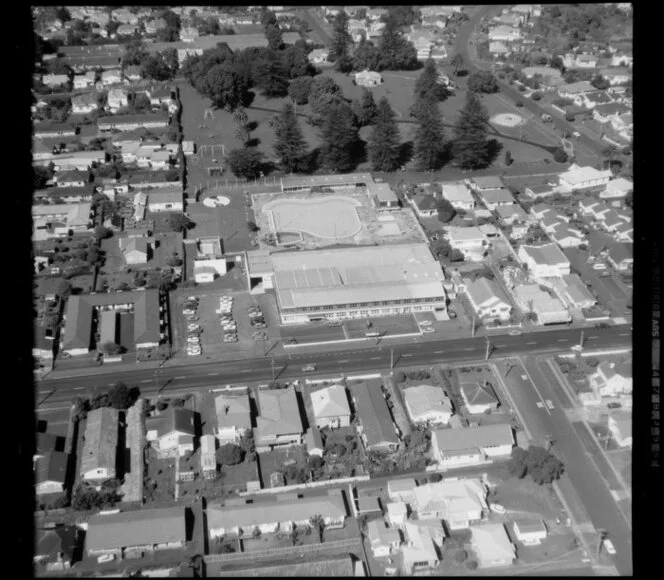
(602, 536)
(473, 327)
(581, 341)
(274, 376)
(391, 358)
(488, 348)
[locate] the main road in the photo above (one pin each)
(357, 359)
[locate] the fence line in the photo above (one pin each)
(280, 551)
(308, 485)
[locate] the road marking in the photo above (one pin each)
(592, 337)
(212, 374)
(466, 349)
(344, 361)
(407, 355)
(563, 340)
(245, 371)
(146, 380)
(535, 387)
(438, 352)
(179, 377)
(549, 404)
(501, 344)
(78, 388)
(532, 342)
(540, 405)
(626, 334)
(375, 358)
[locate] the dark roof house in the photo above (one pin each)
(377, 428)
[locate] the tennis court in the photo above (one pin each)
(330, 218)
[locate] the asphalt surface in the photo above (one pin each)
(354, 360)
(461, 46)
(316, 26)
(545, 417)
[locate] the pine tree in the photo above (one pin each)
(339, 135)
(471, 146)
(365, 108)
(428, 85)
(341, 40)
(384, 141)
(290, 146)
(428, 142)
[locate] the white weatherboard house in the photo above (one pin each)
(611, 379)
(458, 195)
(233, 417)
(279, 423)
(330, 407)
(492, 545)
(428, 404)
(457, 502)
(424, 542)
(472, 445)
(530, 532)
(488, 300)
(401, 490)
(549, 310)
(384, 541)
(620, 425)
(544, 261)
(478, 397)
(173, 431)
(471, 242)
(577, 177)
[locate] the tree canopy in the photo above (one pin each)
(482, 82)
(365, 108)
(339, 135)
(290, 146)
(428, 141)
(384, 141)
(471, 145)
(299, 89)
(247, 163)
(230, 454)
(396, 53)
(341, 39)
(542, 466)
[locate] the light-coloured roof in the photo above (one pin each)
(483, 291)
(456, 191)
(274, 510)
(507, 211)
(424, 399)
(330, 402)
(541, 302)
(529, 526)
(497, 196)
(401, 485)
(383, 192)
(577, 289)
(460, 234)
(136, 528)
(422, 538)
(476, 393)
(473, 437)
(549, 254)
(489, 182)
(380, 535)
(492, 542)
(577, 88)
(278, 412)
(101, 440)
(233, 411)
(73, 214)
(326, 180)
(451, 497)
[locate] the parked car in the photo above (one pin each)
(309, 368)
(428, 330)
(335, 323)
(425, 323)
(105, 558)
(599, 266)
(610, 548)
(515, 333)
(614, 405)
(497, 508)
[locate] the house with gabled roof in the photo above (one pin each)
(489, 183)
(279, 422)
(330, 406)
(85, 103)
(397, 514)
(488, 300)
(458, 194)
(172, 431)
(425, 205)
(544, 261)
(375, 427)
(530, 532)
(427, 404)
(384, 541)
(135, 251)
(584, 178)
(621, 256)
(50, 472)
(616, 190)
(620, 425)
(233, 413)
(56, 549)
(611, 379)
(511, 214)
(576, 293)
(423, 547)
(100, 447)
(401, 490)
(479, 397)
(492, 546)
(495, 198)
(471, 445)
(458, 502)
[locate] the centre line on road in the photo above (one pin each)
(343, 361)
(245, 371)
(375, 358)
(592, 337)
(626, 334)
(179, 377)
(438, 352)
(532, 342)
(546, 407)
(501, 344)
(212, 374)
(471, 348)
(563, 340)
(78, 388)
(145, 380)
(406, 355)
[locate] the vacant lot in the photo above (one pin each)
(524, 497)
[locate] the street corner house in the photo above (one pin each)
(471, 445)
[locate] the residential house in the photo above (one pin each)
(71, 179)
(504, 33)
(50, 472)
(512, 214)
(530, 532)
(279, 423)
(511, 19)
(481, 184)
(376, 428)
(53, 81)
(43, 346)
(544, 261)
(83, 104)
(573, 90)
(498, 48)
(208, 456)
(100, 446)
(616, 191)
(621, 256)
(330, 406)
(275, 514)
(458, 195)
(624, 233)
(233, 417)
(166, 199)
(592, 208)
(605, 113)
(593, 99)
(397, 514)
(548, 310)
(492, 546)
(384, 541)
(616, 76)
(117, 99)
(422, 550)
(155, 25)
(79, 160)
(401, 490)
(133, 122)
(610, 220)
(472, 445)
(478, 397)
(126, 30)
(45, 130)
(566, 237)
(163, 95)
(172, 431)
(135, 532)
(314, 442)
(55, 221)
(110, 77)
(458, 502)
(427, 404)
(85, 81)
(611, 379)
(542, 71)
(488, 300)
(470, 241)
(135, 251)
(368, 79)
(57, 548)
(132, 73)
(69, 194)
(425, 205)
(318, 56)
(571, 61)
(620, 425)
(622, 58)
(383, 195)
(576, 293)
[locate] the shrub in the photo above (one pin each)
(461, 556)
(471, 565)
(569, 117)
(559, 155)
(519, 104)
(399, 376)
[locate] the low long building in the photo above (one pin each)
(359, 282)
(101, 445)
(471, 445)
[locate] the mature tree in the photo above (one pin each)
(290, 146)
(101, 233)
(543, 467)
(339, 135)
(178, 222)
(274, 37)
(318, 523)
(559, 155)
(225, 87)
(121, 397)
(323, 94)
(135, 53)
(295, 62)
(40, 175)
(471, 146)
(428, 141)
(341, 39)
(242, 134)
(299, 88)
(557, 62)
(428, 85)
(162, 66)
(365, 108)
(396, 53)
(230, 454)
(270, 77)
(445, 210)
(517, 464)
(247, 163)
(599, 82)
(483, 82)
(112, 349)
(366, 56)
(384, 141)
(508, 158)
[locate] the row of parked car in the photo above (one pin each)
(190, 311)
(257, 320)
(225, 312)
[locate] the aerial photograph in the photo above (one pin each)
(332, 290)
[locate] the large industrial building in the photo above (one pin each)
(360, 282)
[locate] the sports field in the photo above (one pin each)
(330, 218)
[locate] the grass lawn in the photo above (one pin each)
(164, 248)
(622, 460)
(115, 261)
(523, 495)
(279, 460)
(162, 473)
(84, 282)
